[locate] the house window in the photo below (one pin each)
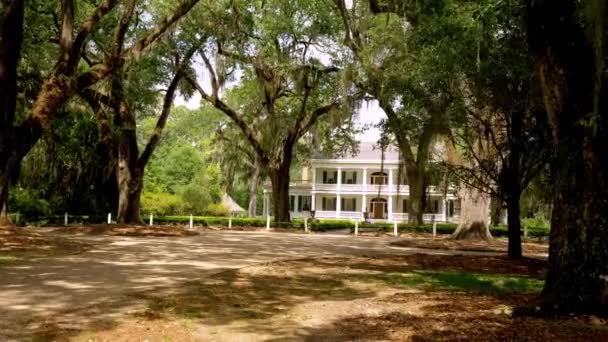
(292, 202)
(328, 204)
(349, 177)
(432, 206)
(379, 178)
(330, 178)
(348, 204)
(405, 207)
(304, 203)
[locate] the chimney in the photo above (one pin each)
(305, 174)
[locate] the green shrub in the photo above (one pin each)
(160, 203)
(217, 209)
(29, 204)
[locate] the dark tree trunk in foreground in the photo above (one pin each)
(279, 177)
(514, 228)
(415, 178)
(254, 181)
(474, 210)
(567, 44)
(130, 176)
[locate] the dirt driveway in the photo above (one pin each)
(99, 284)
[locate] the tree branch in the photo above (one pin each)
(247, 130)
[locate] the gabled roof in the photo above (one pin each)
(366, 151)
(231, 204)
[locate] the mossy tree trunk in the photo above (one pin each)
(567, 42)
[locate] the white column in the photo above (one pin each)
(339, 178)
(313, 202)
(265, 204)
(295, 203)
(364, 178)
(390, 179)
(314, 179)
(444, 210)
(338, 206)
(390, 207)
(364, 203)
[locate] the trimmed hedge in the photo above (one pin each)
(295, 224)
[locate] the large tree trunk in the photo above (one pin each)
(254, 181)
(129, 173)
(495, 210)
(415, 178)
(514, 227)
(474, 209)
(279, 178)
(4, 184)
(574, 93)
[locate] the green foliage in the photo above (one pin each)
(217, 209)
(160, 203)
(29, 203)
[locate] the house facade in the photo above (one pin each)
(348, 187)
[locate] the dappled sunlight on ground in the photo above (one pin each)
(117, 276)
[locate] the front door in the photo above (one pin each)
(378, 210)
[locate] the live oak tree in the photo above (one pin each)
(567, 41)
(276, 49)
(69, 74)
(393, 66)
(496, 127)
(125, 99)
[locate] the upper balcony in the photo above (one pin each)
(372, 180)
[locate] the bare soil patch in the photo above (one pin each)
(495, 245)
(127, 230)
(18, 244)
(400, 298)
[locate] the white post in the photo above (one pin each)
(65, 219)
(230, 221)
(356, 228)
(525, 231)
(305, 224)
(264, 202)
(390, 208)
(109, 218)
(151, 220)
(338, 205)
(364, 203)
(191, 221)
(396, 231)
(268, 222)
(434, 226)
(313, 202)
(390, 180)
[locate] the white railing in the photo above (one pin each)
(384, 189)
(325, 214)
(428, 218)
(351, 215)
(401, 217)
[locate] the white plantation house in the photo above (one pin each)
(347, 187)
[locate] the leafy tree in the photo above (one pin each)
(274, 49)
(78, 22)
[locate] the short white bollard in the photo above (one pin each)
(267, 222)
(434, 226)
(151, 220)
(396, 231)
(525, 231)
(109, 218)
(305, 224)
(356, 228)
(65, 219)
(191, 219)
(230, 222)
